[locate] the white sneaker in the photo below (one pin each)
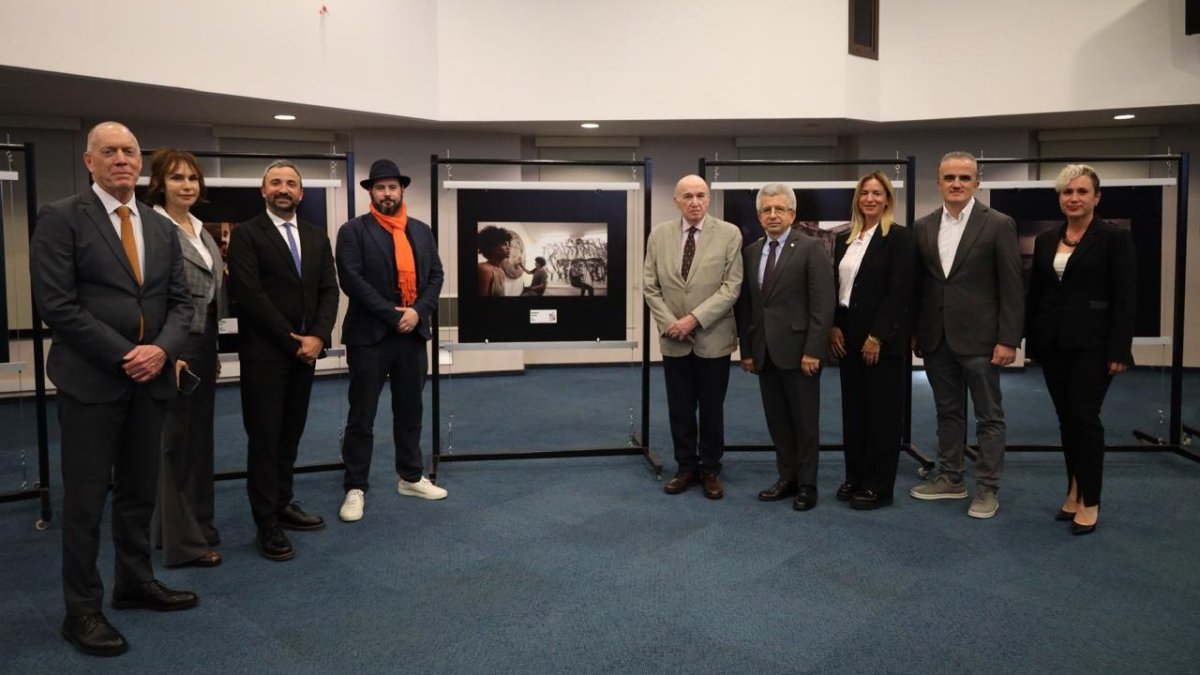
(352, 508)
(422, 488)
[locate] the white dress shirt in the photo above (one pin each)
(111, 204)
(950, 232)
(766, 253)
(848, 268)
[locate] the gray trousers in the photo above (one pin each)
(951, 376)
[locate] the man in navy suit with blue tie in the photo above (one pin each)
(389, 268)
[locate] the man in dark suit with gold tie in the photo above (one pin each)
(107, 276)
(281, 276)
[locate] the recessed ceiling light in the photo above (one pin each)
(283, 117)
(590, 125)
(1124, 116)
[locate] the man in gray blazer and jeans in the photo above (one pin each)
(969, 325)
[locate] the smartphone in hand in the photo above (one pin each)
(188, 381)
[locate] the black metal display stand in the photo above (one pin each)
(910, 172)
(639, 444)
(1151, 442)
(41, 489)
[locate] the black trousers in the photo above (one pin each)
(696, 384)
(792, 405)
(400, 358)
(185, 506)
(105, 444)
(274, 410)
(872, 420)
(1078, 382)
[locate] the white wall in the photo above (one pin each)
(484, 60)
(369, 55)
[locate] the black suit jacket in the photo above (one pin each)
(366, 266)
(1093, 307)
(794, 317)
(981, 302)
(272, 299)
(882, 298)
(86, 292)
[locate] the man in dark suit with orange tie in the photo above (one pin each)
(107, 276)
(281, 276)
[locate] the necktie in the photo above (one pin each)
(769, 272)
(291, 239)
(689, 253)
(129, 243)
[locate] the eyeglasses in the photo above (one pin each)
(771, 210)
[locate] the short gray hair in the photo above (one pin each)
(283, 164)
(959, 154)
(1072, 171)
(774, 190)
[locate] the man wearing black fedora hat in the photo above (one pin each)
(388, 266)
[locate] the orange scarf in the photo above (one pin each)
(406, 264)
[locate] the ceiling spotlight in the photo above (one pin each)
(283, 117)
(1124, 116)
(590, 125)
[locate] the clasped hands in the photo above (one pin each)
(144, 362)
(408, 320)
(682, 328)
(310, 347)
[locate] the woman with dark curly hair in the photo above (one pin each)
(493, 245)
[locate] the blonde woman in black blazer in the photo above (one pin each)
(1079, 326)
(871, 336)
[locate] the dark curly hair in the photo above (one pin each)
(491, 236)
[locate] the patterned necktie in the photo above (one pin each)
(769, 273)
(291, 239)
(129, 243)
(689, 253)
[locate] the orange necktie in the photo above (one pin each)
(130, 245)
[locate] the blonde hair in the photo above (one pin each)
(1072, 171)
(857, 222)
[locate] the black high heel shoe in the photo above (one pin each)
(1064, 515)
(1076, 528)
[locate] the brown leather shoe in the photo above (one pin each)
(680, 482)
(712, 486)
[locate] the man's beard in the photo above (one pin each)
(388, 207)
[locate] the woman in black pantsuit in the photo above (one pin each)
(185, 505)
(1079, 326)
(874, 269)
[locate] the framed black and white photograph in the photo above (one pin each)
(522, 253)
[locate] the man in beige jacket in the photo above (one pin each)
(693, 275)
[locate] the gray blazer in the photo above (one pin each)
(199, 276)
(86, 292)
(794, 317)
(709, 292)
(981, 303)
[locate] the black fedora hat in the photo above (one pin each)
(384, 168)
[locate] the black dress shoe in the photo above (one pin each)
(806, 498)
(292, 518)
(866, 500)
(845, 491)
(1064, 515)
(273, 544)
(782, 489)
(93, 634)
(154, 596)
(680, 482)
